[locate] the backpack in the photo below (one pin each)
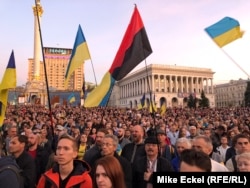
(16, 170)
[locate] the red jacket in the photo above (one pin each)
(79, 176)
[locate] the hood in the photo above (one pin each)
(80, 166)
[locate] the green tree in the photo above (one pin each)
(191, 101)
(247, 94)
(203, 102)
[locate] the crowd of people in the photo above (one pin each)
(120, 147)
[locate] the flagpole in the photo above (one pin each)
(93, 72)
(45, 71)
(235, 62)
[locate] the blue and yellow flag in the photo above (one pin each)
(9, 77)
(71, 98)
(152, 106)
(80, 53)
(8, 82)
(225, 31)
(134, 48)
(142, 102)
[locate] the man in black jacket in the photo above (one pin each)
(38, 153)
(144, 167)
(26, 163)
(134, 150)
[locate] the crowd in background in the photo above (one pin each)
(141, 142)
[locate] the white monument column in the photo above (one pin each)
(38, 11)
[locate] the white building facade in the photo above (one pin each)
(163, 83)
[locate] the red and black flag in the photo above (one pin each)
(134, 48)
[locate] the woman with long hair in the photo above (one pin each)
(108, 173)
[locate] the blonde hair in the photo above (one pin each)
(245, 155)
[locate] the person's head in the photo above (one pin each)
(32, 139)
(192, 160)
(224, 139)
(87, 130)
(182, 132)
(83, 138)
(207, 132)
(161, 136)
(202, 143)
(120, 133)
(193, 130)
(151, 147)
(127, 133)
(44, 132)
(60, 130)
(66, 149)
(182, 144)
(93, 131)
(12, 130)
(243, 162)
(109, 144)
(242, 144)
(17, 145)
(137, 133)
(100, 135)
(108, 173)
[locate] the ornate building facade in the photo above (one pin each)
(166, 83)
(57, 60)
(230, 94)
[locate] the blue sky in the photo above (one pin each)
(175, 30)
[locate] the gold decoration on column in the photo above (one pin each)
(38, 9)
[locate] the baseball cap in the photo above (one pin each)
(160, 131)
(59, 127)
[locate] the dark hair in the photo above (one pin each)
(113, 170)
(196, 158)
(103, 130)
(22, 139)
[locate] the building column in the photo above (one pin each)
(212, 86)
(207, 85)
(192, 84)
(170, 83)
(181, 83)
(38, 11)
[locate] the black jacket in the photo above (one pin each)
(140, 166)
(41, 160)
(128, 149)
(127, 169)
(27, 165)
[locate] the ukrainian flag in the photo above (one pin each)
(8, 82)
(71, 98)
(225, 31)
(80, 53)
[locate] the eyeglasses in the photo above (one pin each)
(106, 144)
(38, 132)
